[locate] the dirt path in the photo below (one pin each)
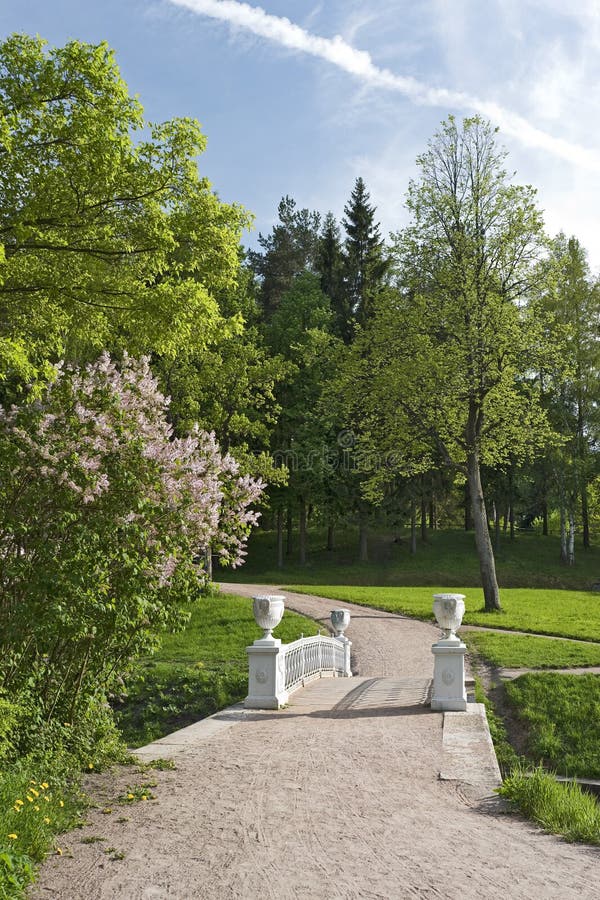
(337, 796)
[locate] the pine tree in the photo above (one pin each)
(332, 277)
(365, 264)
(291, 248)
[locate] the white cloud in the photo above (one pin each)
(359, 63)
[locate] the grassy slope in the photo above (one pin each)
(197, 671)
(562, 714)
(448, 558)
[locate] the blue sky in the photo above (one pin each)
(289, 108)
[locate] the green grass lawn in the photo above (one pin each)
(574, 614)
(197, 671)
(562, 717)
(524, 651)
(448, 557)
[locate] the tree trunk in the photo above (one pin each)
(585, 517)
(363, 540)
(209, 564)
(302, 531)
(280, 539)
(545, 519)
(571, 543)
(331, 537)
(413, 528)
(487, 565)
(432, 514)
(289, 527)
(512, 505)
(563, 535)
(582, 453)
(468, 509)
(496, 527)
(423, 514)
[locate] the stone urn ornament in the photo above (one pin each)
(268, 612)
(340, 619)
(449, 610)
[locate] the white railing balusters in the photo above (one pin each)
(276, 670)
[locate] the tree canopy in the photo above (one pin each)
(110, 235)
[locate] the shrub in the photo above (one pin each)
(560, 808)
(105, 520)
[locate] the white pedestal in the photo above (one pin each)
(449, 691)
(347, 651)
(266, 675)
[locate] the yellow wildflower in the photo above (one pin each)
(130, 796)
(45, 785)
(90, 765)
(13, 836)
(47, 799)
(37, 809)
(35, 793)
(30, 798)
(18, 803)
(60, 803)
(46, 820)
(144, 797)
(59, 851)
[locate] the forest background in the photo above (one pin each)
(445, 376)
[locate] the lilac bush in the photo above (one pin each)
(106, 519)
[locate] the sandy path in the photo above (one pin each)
(336, 796)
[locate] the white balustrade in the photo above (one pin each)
(276, 669)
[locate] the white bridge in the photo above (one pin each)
(276, 670)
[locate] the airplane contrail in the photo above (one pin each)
(359, 63)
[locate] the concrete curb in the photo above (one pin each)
(180, 741)
(468, 751)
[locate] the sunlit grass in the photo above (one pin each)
(526, 651)
(573, 614)
(562, 716)
(198, 671)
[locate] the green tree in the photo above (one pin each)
(110, 236)
(230, 386)
(301, 331)
(575, 305)
(291, 248)
(444, 361)
(365, 263)
(331, 270)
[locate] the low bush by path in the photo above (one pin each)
(559, 808)
(574, 614)
(197, 671)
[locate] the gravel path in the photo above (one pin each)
(337, 796)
